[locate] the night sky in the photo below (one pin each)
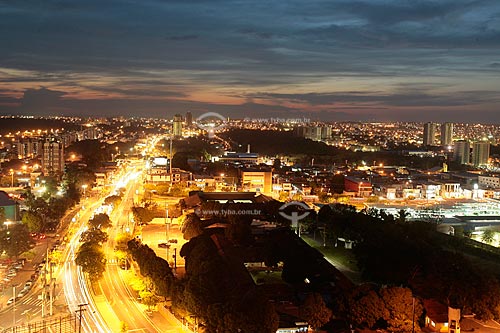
(372, 60)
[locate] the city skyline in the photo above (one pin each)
(332, 61)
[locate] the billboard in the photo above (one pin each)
(160, 161)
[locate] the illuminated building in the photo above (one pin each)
(461, 152)
(189, 119)
(480, 153)
(446, 134)
(429, 134)
(177, 126)
(52, 157)
(256, 180)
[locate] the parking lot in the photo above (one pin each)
(154, 235)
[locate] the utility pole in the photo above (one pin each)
(171, 136)
(44, 280)
(79, 311)
(51, 290)
(14, 308)
(413, 316)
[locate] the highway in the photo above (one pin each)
(122, 303)
(107, 304)
(75, 288)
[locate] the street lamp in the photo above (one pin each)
(12, 177)
(167, 224)
(84, 186)
(7, 223)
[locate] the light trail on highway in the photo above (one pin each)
(76, 290)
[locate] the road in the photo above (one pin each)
(121, 300)
(75, 289)
(109, 303)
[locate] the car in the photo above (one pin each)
(11, 275)
(124, 264)
(173, 241)
(22, 293)
(10, 301)
(28, 284)
(164, 245)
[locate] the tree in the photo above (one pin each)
(191, 227)
(114, 200)
(50, 186)
(365, 308)
(57, 206)
(488, 236)
(315, 312)
(142, 215)
(15, 240)
(121, 242)
(123, 327)
(100, 221)
(284, 196)
(178, 190)
(276, 164)
(239, 233)
(402, 215)
(33, 221)
(92, 260)
(94, 236)
(148, 298)
(402, 309)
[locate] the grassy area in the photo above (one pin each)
(343, 259)
(263, 277)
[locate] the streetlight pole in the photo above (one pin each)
(12, 177)
(167, 224)
(84, 188)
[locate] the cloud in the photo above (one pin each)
(164, 50)
(182, 37)
(408, 98)
(41, 98)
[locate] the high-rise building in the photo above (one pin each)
(461, 152)
(446, 134)
(189, 119)
(315, 133)
(177, 126)
(53, 157)
(480, 153)
(326, 132)
(28, 148)
(429, 134)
